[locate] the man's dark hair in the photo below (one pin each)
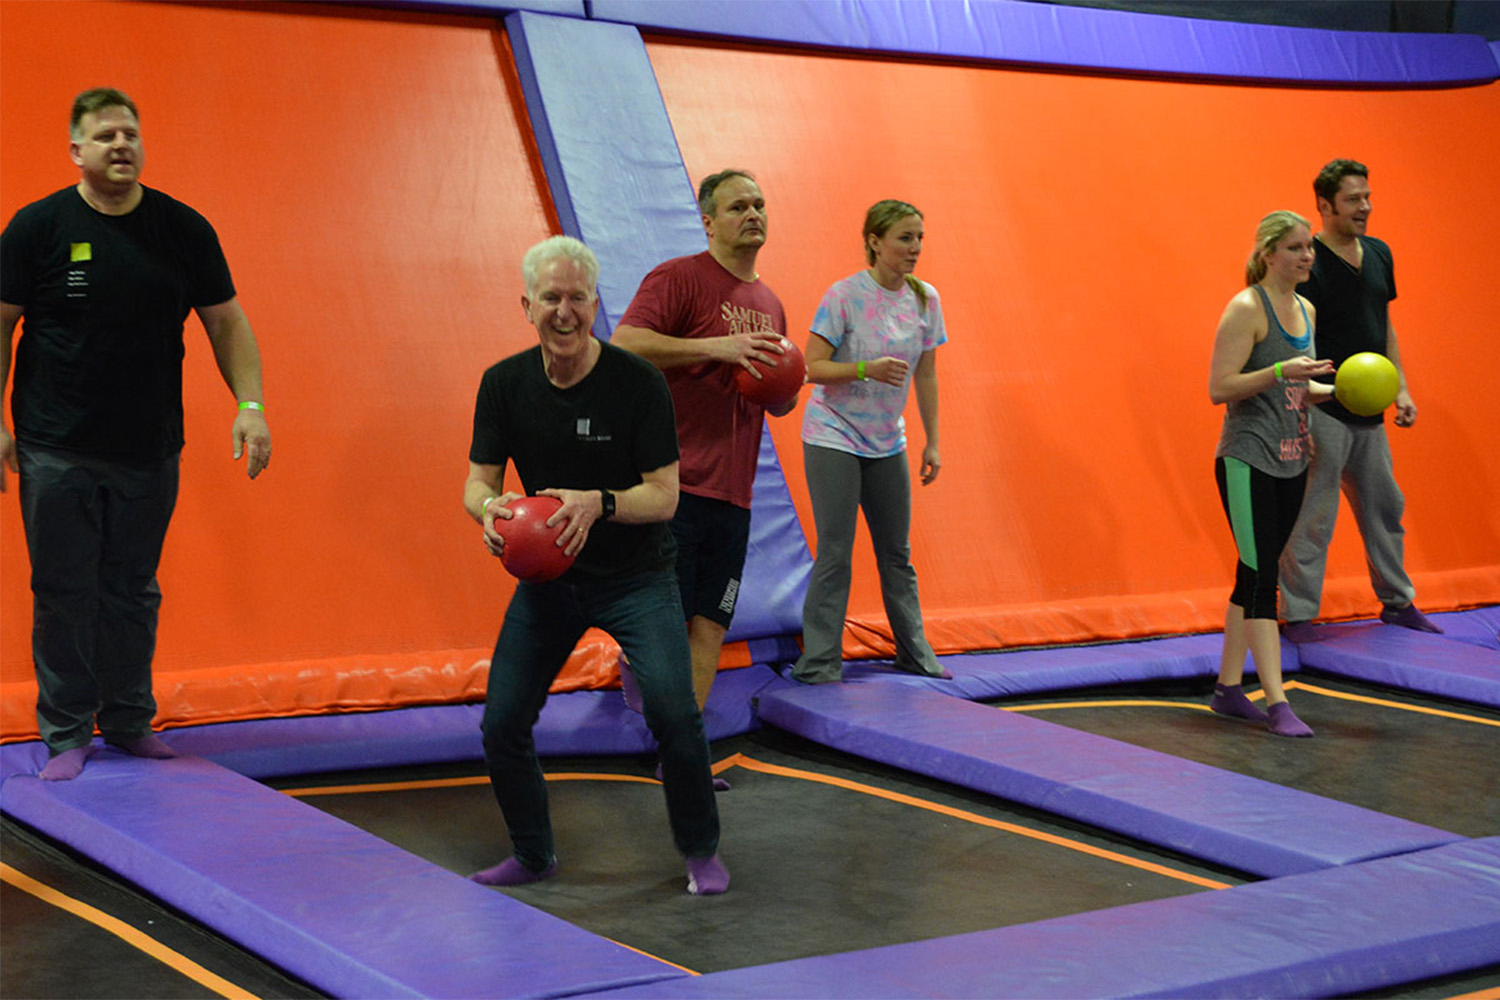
(1326, 184)
(97, 99)
(707, 203)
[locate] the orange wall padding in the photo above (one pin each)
(371, 177)
(1085, 233)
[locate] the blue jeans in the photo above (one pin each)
(95, 530)
(542, 625)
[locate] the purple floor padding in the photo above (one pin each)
(1413, 661)
(579, 723)
(980, 676)
(329, 903)
(1475, 626)
(358, 917)
(1327, 933)
(1201, 811)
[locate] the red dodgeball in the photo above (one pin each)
(779, 382)
(531, 550)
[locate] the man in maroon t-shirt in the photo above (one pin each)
(698, 319)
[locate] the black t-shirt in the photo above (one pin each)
(1353, 308)
(602, 433)
(99, 361)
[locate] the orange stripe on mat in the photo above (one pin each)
(751, 764)
(126, 933)
(477, 779)
(1365, 699)
(1115, 703)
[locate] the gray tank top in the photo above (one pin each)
(1268, 431)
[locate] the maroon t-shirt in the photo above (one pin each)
(718, 430)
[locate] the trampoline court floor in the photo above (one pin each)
(829, 852)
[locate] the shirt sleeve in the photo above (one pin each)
(936, 333)
(656, 444)
(211, 282)
(829, 322)
(487, 445)
(657, 302)
(17, 259)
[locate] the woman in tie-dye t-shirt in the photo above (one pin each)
(876, 333)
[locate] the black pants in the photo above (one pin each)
(94, 529)
(1262, 510)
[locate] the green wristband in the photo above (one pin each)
(1277, 369)
(251, 404)
(859, 370)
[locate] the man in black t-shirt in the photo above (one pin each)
(592, 426)
(104, 274)
(1352, 285)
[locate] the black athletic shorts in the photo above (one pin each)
(712, 537)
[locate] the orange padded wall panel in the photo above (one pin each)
(1085, 233)
(370, 180)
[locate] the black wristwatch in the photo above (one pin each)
(609, 505)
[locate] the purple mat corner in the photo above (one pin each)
(338, 907)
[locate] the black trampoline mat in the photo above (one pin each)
(1425, 760)
(827, 854)
(73, 929)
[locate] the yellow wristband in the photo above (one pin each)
(251, 404)
(859, 370)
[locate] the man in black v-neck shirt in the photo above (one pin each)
(1352, 285)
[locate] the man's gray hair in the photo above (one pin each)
(555, 248)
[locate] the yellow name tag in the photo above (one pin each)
(82, 251)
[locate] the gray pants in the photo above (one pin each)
(840, 485)
(95, 530)
(1358, 458)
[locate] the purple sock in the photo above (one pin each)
(150, 745)
(512, 872)
(1229, 699)
(628, 687)
(1409, 617)
(66, 766)
(1284, 722)
(707, 876)
(720, 785)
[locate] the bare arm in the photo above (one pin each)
(485, 498)
(823, 370)
(666, 352)
(10, 315)
(1244, 323)
(238, 358)
(1406, 408)
(925, 383)
(651, 500)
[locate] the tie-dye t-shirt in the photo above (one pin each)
(864, 321)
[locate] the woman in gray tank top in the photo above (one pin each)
(1261, 370)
